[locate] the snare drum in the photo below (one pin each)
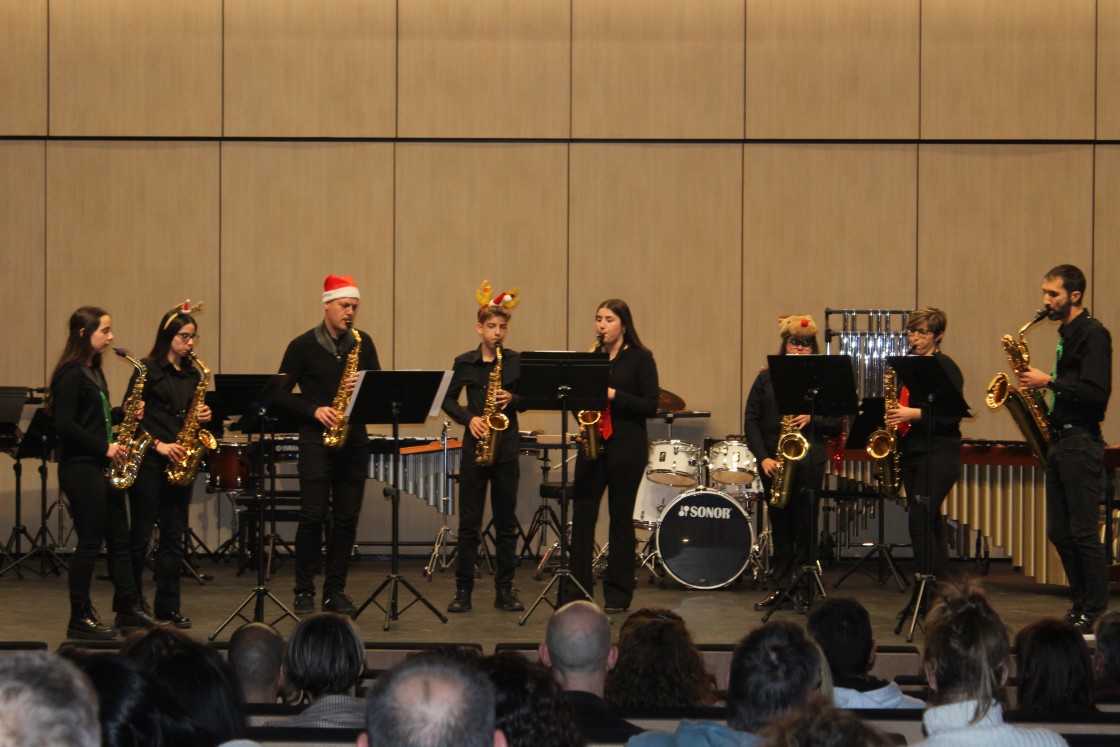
(675, 463)
(731, 463)
(705, 539)
(229, 467)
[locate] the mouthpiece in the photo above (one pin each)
(122, 352)
(1040, 314)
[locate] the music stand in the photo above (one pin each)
(567, 382)
(396, 397)
(869, 420)
(811, 385)
(925, 377)
(38, 443)
(260, 400)
(11, 405)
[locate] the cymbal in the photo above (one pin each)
(669, 401)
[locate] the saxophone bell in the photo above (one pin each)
(591, 441)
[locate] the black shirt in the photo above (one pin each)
(946, 430)
(1084, 380)
(472, 373)
(167, 394)
(762, 422)
(79, 413)
(633, 375)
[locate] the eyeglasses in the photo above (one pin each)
(798, 342)
(920, 332)
(187, 337)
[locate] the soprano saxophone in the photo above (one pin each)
(792, 447)
(591, 443)
(334, 437)
(194, 439)
(131, 436)
(493, 420)
(1029, 409)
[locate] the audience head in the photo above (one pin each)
(531, 708)
(658, 664)
(842, 628)
(146, 647)
(198, 678)
(1055, 668)
(577, 645)
(46, 701)
(325, 655)
(256, 653)
(817, 723)
(1106, 658)
(432, 701)
(967, 648)
(774, 669)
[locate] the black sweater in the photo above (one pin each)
(637, 390)
(79, 415)
(470, 372)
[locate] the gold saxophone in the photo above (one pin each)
(194, 439)
(1029, 408)
(334, 437)
(494, 421)
(792, 447)
(591, 443)
(131, 436)
(882, 445)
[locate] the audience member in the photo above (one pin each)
(256, 655)
(146, 647)
(774, 669)
(46, 701)
(818, 723)
(531, 709)
(842, 628)
(1106, 657)
(200, 681)
(577, 646)
(658, 665)
(965, 662)
(432, 701)
(1055, 668)
(325, 659)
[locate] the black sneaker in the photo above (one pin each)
(340, 603)
(462, 600)
(304, 603)
(505, 599)
(174, 618)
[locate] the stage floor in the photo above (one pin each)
(36, 608)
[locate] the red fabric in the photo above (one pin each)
(903, 401)
(605, 427)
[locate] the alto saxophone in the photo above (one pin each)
(334, 437)
(591, 442)
(193, 438)
(882, 445)
(1029, 409)
(792, 447)
(131, 436)
(494, 421)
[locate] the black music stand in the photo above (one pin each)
(38, 443)
(928, 383)
(811, 385)
(396, 397)
(255, 415)
(568, 382)
(11, 406)
(869, 420)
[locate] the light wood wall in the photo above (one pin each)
(715, 164)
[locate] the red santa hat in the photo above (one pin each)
(339, 286)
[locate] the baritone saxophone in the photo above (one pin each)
(1029, 409)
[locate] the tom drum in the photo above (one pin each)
(675, 463)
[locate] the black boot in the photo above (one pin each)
(135, 617)
(86, 625)
(462, 600)
(505, 599)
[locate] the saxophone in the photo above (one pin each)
(792, 447)
(194, 439)
(131, 436)
(591, 443)
(334, 437)
(494, 421)
(1029, 409)
(882, 445)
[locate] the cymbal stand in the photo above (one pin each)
(440, 558)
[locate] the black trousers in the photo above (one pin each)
(334, 481)
(153, 498)
(619, 471)
(791, 528)
(100, 516)
(1073, 490)
(473, 479)
(927, 526)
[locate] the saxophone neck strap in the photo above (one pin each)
(338, 348)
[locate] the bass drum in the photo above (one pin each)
(705, 539)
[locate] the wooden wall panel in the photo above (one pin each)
(23, 67)
(469, 212)
(1105, 278)
(292, 213)
(136, 67)
(23, 246)
(133, 228)
(657, 69)
(299, 69)
(992, 219)
(490, 68)
(993, 69)
(660, 227)
(822, 69)
(824, 226)
(1108, 69)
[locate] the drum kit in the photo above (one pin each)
(701, 536)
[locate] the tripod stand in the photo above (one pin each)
(37, 443)
(396, 397)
